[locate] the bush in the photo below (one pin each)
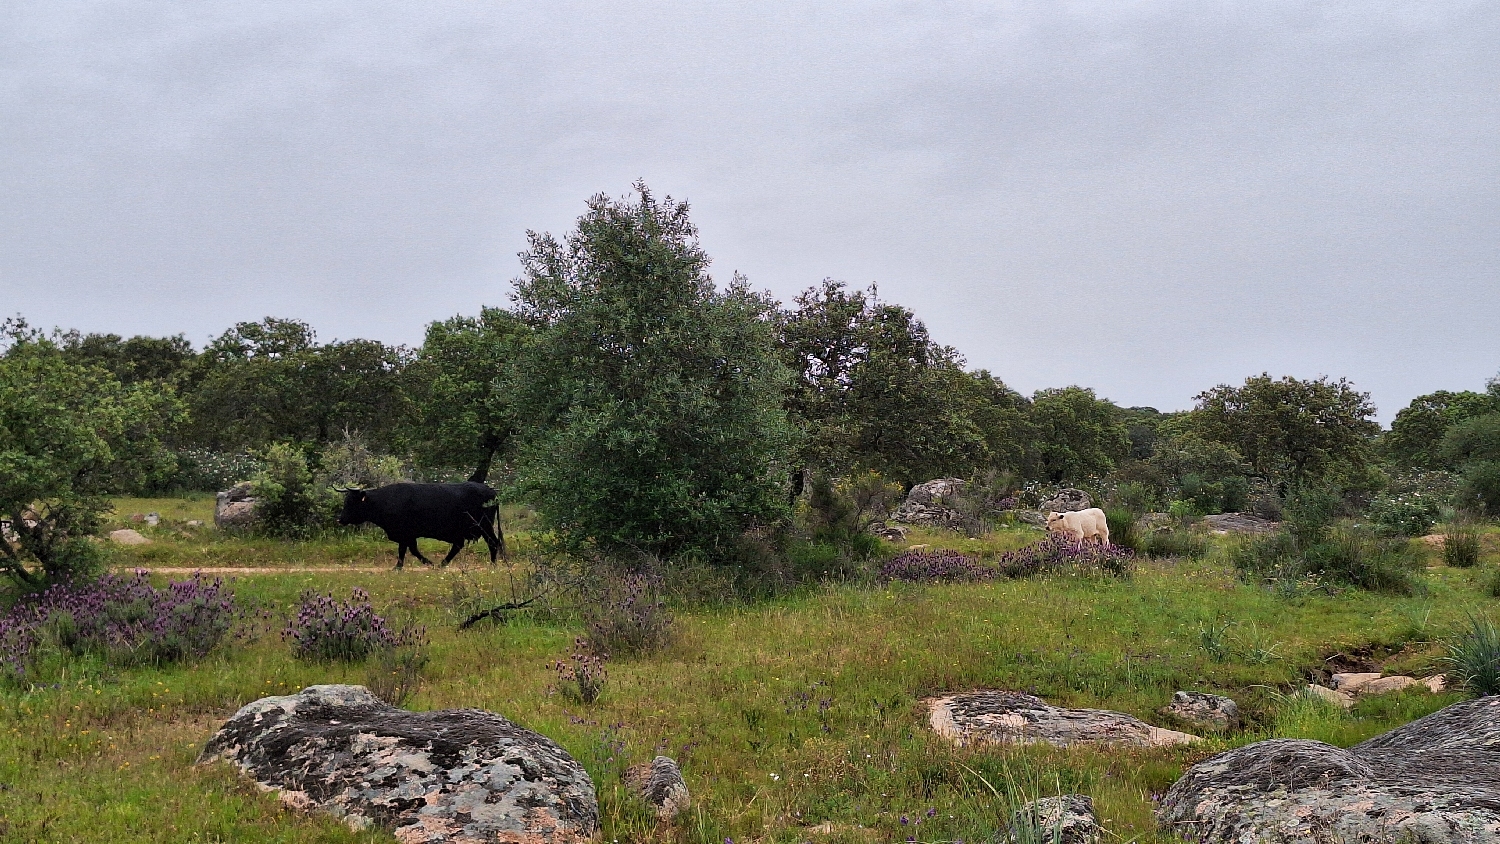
(290, 504)
(203, 470)
(1350, 555)
(327, 629)
(1479, 487)
(1461, 545)
(1405, 514)
(350, 462)
(1172, 543)
(934, 567)
(626, 614)
(123, 620)
(1474, 657)
(1056, 552)
(1122, 529)
(1492, 587)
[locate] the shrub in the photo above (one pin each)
(1480, 487)
(350, 462)
(1405, 514)
(1474, 657)
(934, 567)
(1122, 529)
(1461, 545)
(626, 614)
(327, 629)
(124, 620)
(1492, 587)
(1351, 555)
(1057, 552)
(203, 470)
(581, 676)
(1171, 543)
(290, 504)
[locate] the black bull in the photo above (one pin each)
(455, 513)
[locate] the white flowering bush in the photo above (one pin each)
(1411, 513)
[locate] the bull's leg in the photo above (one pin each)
(418, 553)
(453, 552)
(400, 555)
(494, 537)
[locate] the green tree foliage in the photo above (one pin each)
(167, 359)
(1420, 427)
(461, 381)
(69, 435)
(290, 504)
(1290, 431)
(1208, 475)
(269, 381)
(652, 399)
(1077, 434)
(1474, 447)
(874, 391)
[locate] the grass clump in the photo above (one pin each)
(1461, 545)
(1349, 555)
(626, 614)
(1474, 657)
(1122, 528)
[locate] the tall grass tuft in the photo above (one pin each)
(1474, 657)
(1461, 545)
(1122, 529)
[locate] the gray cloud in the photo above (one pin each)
(1144, 197)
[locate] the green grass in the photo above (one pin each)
(106, 755)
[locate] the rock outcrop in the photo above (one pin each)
(1000, 717)
(1435, 781)
(660, 784)
(235, 507)
(928, 504)
(457, 776)
(1202, 711)
(1245, 523)
(1064, 819)
(1067, 501)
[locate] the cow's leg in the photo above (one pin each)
(453, 552)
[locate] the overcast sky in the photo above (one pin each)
(1147, 198)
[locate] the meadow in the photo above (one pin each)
(798, 718)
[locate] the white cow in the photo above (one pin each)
(1080, 525)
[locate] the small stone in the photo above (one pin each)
(1214, 713)
(1436, 683)
(195, 523)
(126, 536)
(1064, 819)
(660, 784)
(1338, 698)
(890, 533)
(153, 519)
(1385, 685)
(1353, 682)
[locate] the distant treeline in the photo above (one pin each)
(623, 377)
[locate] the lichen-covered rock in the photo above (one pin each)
(1433, 781)
(929, 504)
(1064, 819)
(1067, 501)
(890, 533)
(1351, 681)
(235, 507)
(998, 717)
(660, 784)
(1214, 713)
(459, 776)
(1386, 685)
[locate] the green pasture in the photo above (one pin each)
(798, 719)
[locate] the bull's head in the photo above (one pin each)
(354, 507)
